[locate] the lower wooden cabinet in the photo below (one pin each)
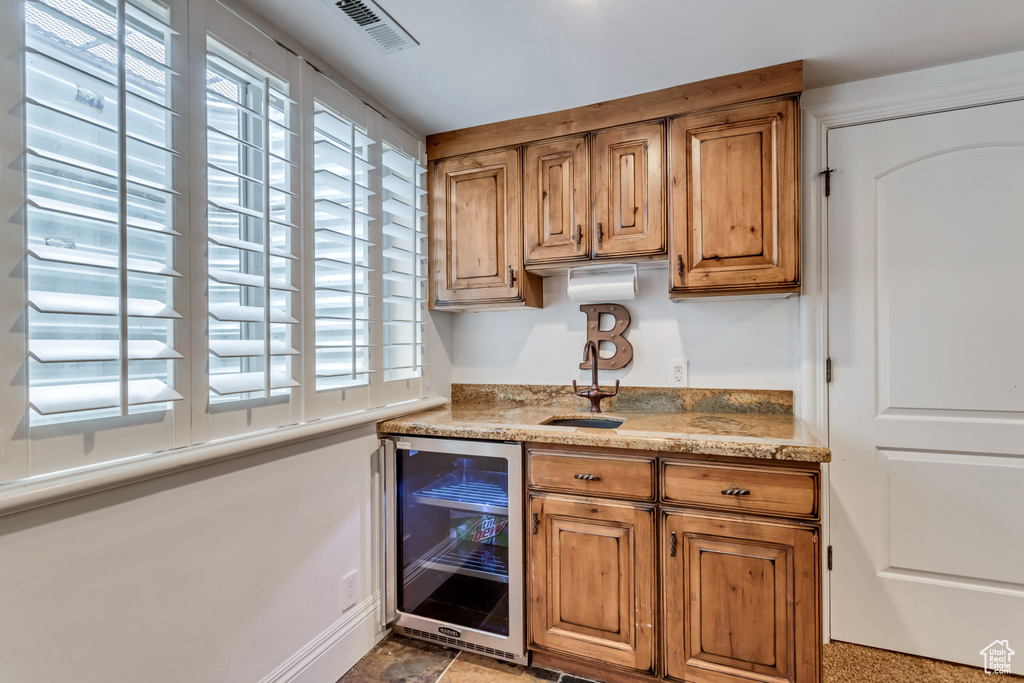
(592, 580)
(736, 564)
(740, 599)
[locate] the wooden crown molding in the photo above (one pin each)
(772, 81)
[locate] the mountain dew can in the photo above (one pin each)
(479, 528)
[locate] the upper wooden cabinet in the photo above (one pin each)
(556, 184)
(704, 173)
(734, 196)
(477, 233)
(628, 190)
(622, 179)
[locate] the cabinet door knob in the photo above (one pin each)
(735, 491)
(600, 234)
(588, 477)
(511, 277)
(672, 544)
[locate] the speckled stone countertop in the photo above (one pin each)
(749, 424)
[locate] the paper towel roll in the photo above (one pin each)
(603, 284)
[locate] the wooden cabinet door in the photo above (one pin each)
(741, 599)
(628, 187)
(556, 182)
(734, 195)
(477, 231)
(592, 577)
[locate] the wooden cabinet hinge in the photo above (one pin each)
(828, 370)
(829, 554)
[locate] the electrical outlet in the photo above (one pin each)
(680, 373)
(349, 585)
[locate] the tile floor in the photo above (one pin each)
(404, 660)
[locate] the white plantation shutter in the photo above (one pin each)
(404, 285)
(101, 208)
(208, 222)
(251, 129)
(342, 250)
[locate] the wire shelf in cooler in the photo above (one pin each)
(473, 491)
(479, 560)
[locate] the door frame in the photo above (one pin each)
(966, 84)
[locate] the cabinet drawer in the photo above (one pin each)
(760, 490)
(597, 475)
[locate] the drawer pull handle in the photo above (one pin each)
(735, 491)
(588, 477)
(535, 523)
(672, 544)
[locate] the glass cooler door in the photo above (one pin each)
(453, 538)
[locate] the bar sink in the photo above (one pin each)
(587, 422)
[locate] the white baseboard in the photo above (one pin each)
(327, 657)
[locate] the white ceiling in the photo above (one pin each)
(489, 60)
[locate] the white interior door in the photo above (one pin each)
(926, 336)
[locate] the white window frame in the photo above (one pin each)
(406, 389)
(249, 45)
(14, 462)
(324, 403)
(67, 445)
(27, 452)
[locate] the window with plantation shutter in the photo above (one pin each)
(101, 208)
(251, 229)
(214, 237)
(343, 245)
(404, 263)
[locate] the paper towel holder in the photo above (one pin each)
(623, 355)
(622, 275)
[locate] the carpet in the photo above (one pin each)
(847, 663)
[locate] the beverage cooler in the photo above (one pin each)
(454, 527)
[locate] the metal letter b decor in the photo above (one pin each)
(623, 355)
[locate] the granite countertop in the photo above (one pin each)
(750, 424)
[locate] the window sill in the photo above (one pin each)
(47, 489)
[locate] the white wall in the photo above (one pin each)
(729, 343)
(440, 346)
(225, 573)
(230, 572)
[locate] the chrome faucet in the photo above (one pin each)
(593, 393)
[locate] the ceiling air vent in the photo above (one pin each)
(386, 33)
